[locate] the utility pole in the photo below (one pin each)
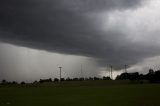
(81, 72)
(111, 71)
(108, 72)
(60, 73)
(125, 68)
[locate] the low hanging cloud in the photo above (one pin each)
(101, 29)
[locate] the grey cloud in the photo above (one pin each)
(63, 26)
(102, 5)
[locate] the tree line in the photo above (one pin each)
(4, 82)
(152, 76)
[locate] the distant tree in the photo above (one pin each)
(123, 76)
(14, 82)
(96, 78)
(68, 79)
(157, 76)
(151, 71)
(75, 79)
(35, 82)
(4, 81)
(142, 77)
(128, 76)
(86, 79)
(133, 76)
(56, 79)
(81, 79)
(118, 77)
(90, 78)
(150, 75)
(23, 83)
(106, 78)
(45, 80)
(62, 79)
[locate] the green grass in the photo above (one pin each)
(85, 93)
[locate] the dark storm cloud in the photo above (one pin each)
(64, 26)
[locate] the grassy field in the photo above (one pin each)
(85, 93)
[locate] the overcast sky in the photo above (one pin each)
(37, 36)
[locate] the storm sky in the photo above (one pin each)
(37, 36)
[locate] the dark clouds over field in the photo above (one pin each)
(106, 30)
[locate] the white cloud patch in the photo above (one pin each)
(146, 64)
(137, 26)
(139, 30)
